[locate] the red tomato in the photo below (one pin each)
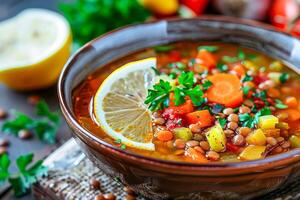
(198, 6)
(283, 12)
(231, 147)
(296, 29)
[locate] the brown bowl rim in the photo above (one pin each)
(289, 157)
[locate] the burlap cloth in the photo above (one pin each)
(71, 180)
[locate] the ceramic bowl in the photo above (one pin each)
(161, 179)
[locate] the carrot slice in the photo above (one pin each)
(187, 107)
(291, 102)
(164, 136)
(207, 59)
(202, 117)
(195, 156)
(226, 90)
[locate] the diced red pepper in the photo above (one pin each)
(231, 147)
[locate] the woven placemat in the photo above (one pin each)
(70, 174)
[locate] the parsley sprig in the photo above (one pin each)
(45, 127)
(28, 172)
(158, 97)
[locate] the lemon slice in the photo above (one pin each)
(119, 104)
(34, 46)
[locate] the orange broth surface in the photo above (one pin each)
(184, 52)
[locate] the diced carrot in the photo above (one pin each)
(193, 155)
(291, 102)
(164, 135)
(274, 93)
(239, 70)
(187, 107)
(206, 58)
(172, 98)
(225, 90)
(293, 114)
(202, 117)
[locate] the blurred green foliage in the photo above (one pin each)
(91, 18)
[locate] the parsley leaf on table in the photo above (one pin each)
(26, 176)
(89, 19)
(45, 127)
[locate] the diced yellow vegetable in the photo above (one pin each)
(250, 65)
(183, 133)
(295, 141)
(257, 137)
(275, 76)
(276, 66)
(267, 122)
(252, 152)
(216, 138)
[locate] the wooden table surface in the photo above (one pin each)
(10, 99)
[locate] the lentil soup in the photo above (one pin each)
(207, 102)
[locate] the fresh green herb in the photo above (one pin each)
(280, 105)
(155, 71)
(158, 97)
(241, 55)
(251, 56)
(246, 90)
(27, 175)
(208, 48)
(247, 78)
(196, 95)
(172, 75)
(187, 79)
(85, 16)
(118, 141)
(207, 84)
(123, 147)
(45, 127)
(222, 122)
(222, 67)
(262, 95)
(251, 121)
(284, 77)
(179, 96)
(164, 48)
(229, 59)
(179, 122)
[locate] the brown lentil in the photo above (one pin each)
(278, 149)
(280, 139)
(130, 197)
(199, 149)
(232, 125)
(109, 196)
(286, 145)
(228, 132)
(95, 184)
(248, 103)
(33, 99)
(284, 133)
(244, 131)
(204, 145)
(24, 134)
(128, 190)
(228, 111)
(233, 118)
(212, 155)
(3, 150)
(4, 142)
(238, 140)
(192, 143)
(271, 140)
(244, 109)
(179, 143)
(198, 137)
(195, 128)
(99, 197)
(159, 121)
(3, 113)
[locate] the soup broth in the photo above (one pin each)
(225, 103)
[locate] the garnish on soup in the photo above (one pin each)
(192, 102)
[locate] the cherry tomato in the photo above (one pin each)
(296, 29)
(197, 6)
(283, 12)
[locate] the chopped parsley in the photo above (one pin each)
(251, 121)
(222, 122)
(279, 104)
(217, 108)
(207, 84)
(163, 48)
(208, 48)
(247, 78)
(284, 77)
(246, 90)
(222, 67)
(155, 71)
